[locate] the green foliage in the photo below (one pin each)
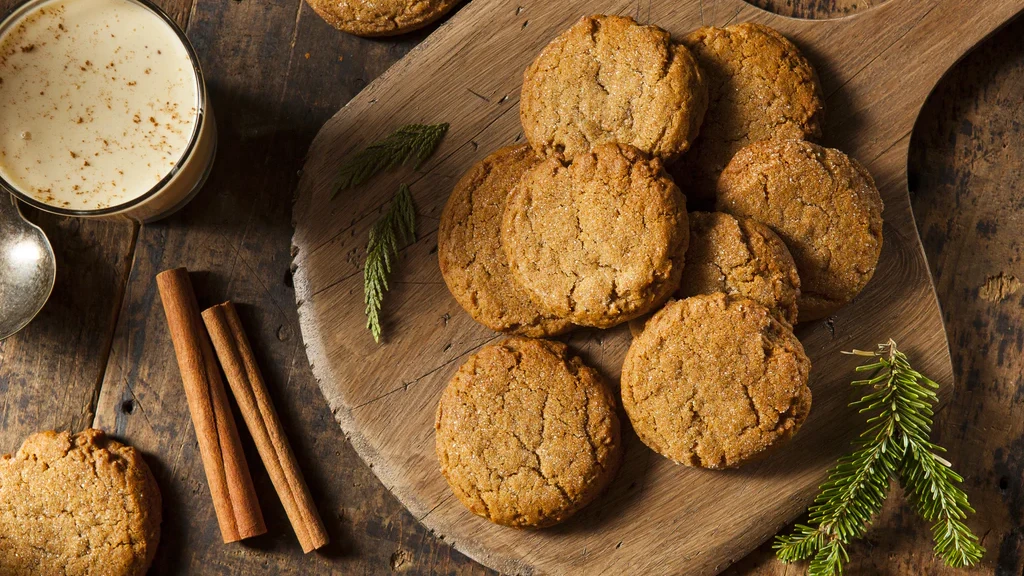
(416, 141)
(397, 225)
(829, 559)
(895, 445)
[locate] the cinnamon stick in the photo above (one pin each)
(234, 498)
(246, 382)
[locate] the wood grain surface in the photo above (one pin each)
(271, 99)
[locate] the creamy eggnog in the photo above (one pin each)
(101, 107)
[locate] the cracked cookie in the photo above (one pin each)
(760, 87)
(609, 79)
(526, 434)
(825, 207)
(77, 504)
(380, 17)
(469, 248)
(743, 257)
(599, 239)
(715, 380)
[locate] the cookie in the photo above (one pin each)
(380, 17)
(609, 79)
(526, 434)
(825, 207)
(714, 381)
(760, 87)
(469, 248)
(599, 239)
(77, 504)
(743, 257)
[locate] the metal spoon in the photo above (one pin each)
(27, 268)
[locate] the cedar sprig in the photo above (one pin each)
(896, 445)
(415, 141)
(397, 225)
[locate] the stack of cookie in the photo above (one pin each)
(584, 226)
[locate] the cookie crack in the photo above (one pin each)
(586, 430)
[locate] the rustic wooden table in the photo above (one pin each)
(100, 354)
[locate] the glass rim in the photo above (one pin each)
(24, 8)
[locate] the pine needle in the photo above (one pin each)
(397, 225)
(895, 445)
(415, 141)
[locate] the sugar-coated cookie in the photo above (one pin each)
(469, 248)
(609, 79)
(526, 434)
(714, 381)
(380, 17)
(598, 240)
(743, 257)
(825, 207)
(77, 504)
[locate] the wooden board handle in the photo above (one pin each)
(879, 66)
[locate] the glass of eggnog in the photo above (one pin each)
(103, 110)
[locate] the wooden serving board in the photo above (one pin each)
(876, 67)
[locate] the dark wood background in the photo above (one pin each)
(100, 354)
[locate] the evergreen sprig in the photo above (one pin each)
(416, 141)
(396, 225)
(896, 445)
